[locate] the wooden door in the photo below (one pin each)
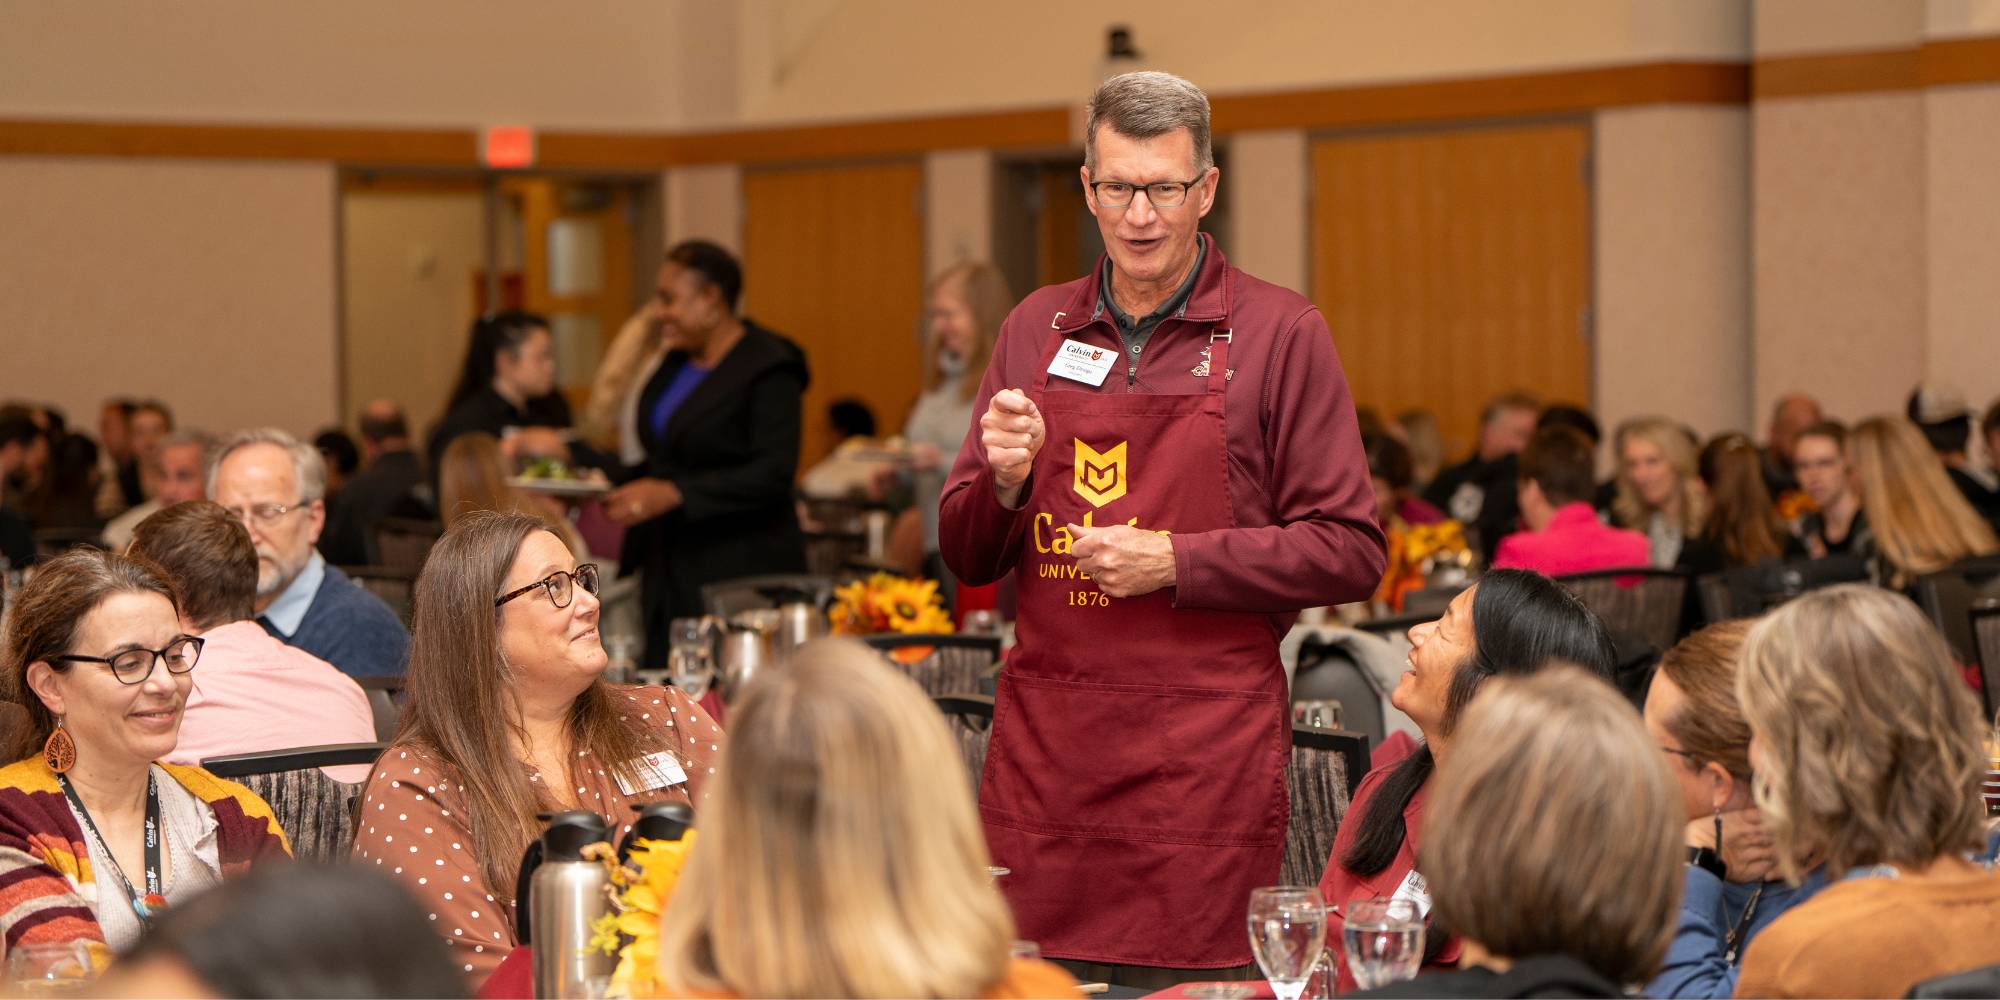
(576, 263)
(1454, 265)
(833, 258)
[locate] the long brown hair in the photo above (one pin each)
(1921, 522)
(461, 706)
(1741, 520)
(840, 854)
(470, 478)
(42, 620)
(986, 296)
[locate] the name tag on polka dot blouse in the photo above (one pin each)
(655, 770)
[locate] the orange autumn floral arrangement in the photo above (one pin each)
(1414, 550)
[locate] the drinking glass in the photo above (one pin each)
(1287, 934)
(51, 969)
(621, 662)
(691, 655)
(1384, 939)
(1320, 713)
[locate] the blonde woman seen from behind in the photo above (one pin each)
(840, 853)
(1867, 753)
(1543, 911)
(1921, 522)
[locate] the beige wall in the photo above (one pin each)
(1270, 207)
(958, 208)
(686, 63)
(1839, 250)
(704, 203)
(409, 266)
(1672, 331)
(208, 284)
(1962, 245)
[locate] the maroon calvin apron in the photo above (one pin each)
(1135, 783)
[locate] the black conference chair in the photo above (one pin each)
(1984, 622)
(1949, 595)
(1642, 602)
(396, 587)
(316, 812)
(970, 719)
(1326, 766)
(1980, 982)
(385, 699)
(955, 663)
(403, 543)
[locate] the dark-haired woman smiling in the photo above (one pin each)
(1512, 622)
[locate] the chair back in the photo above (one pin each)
(385, 699)
(1948, 597)
(52, 542)
(315, 811)
(970, 719)
(1748, 591)
(1325, 768)
(1643, 602)
(746, 593)
(944, 663)
(1984, 622)
(1981, 982)
(402, 543)
(396, 587)
(1330, 671)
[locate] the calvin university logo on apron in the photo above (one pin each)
(1100, 475)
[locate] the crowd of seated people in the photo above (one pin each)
(1826, 757)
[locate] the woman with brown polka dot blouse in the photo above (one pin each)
(509, 716)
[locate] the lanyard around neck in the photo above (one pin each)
(154, 900)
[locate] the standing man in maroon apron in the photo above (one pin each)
(1168, 462)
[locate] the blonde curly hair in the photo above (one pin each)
(1867, 744)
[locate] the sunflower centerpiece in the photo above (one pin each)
(639, 891)
(887, 603)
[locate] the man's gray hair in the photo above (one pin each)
(1147, 104)
(307, 465)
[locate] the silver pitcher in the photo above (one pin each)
(799, 622)
(749, 647)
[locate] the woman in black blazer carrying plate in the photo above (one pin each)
(720, 422)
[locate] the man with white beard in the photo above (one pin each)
(276, 487)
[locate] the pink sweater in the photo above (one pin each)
(253, 692)
(1575, 541)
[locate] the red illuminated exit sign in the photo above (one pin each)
(507, 147)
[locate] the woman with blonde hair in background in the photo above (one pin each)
(1543, 908)
(1659, 493)
(472, 477)
(1921, 523)
(964, 309)
(840, 853)
(1868, 757)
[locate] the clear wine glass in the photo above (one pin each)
(1384, 940)
(1287, 934)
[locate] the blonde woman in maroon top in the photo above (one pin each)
(509, 716)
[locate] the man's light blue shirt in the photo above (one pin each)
(289, 610)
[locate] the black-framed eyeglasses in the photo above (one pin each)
(133, 666)
(1159, 194)
(560, 584)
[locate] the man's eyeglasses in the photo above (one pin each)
(1160, 194)
(560, 584)
(133, 666)
(266, 514)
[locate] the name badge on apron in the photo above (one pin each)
(1082, 362)
(655, 770)
(1417, 891)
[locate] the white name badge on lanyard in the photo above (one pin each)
(1082, 362)
(1417, 891)
(655, 770)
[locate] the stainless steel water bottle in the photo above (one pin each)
(566, 895)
